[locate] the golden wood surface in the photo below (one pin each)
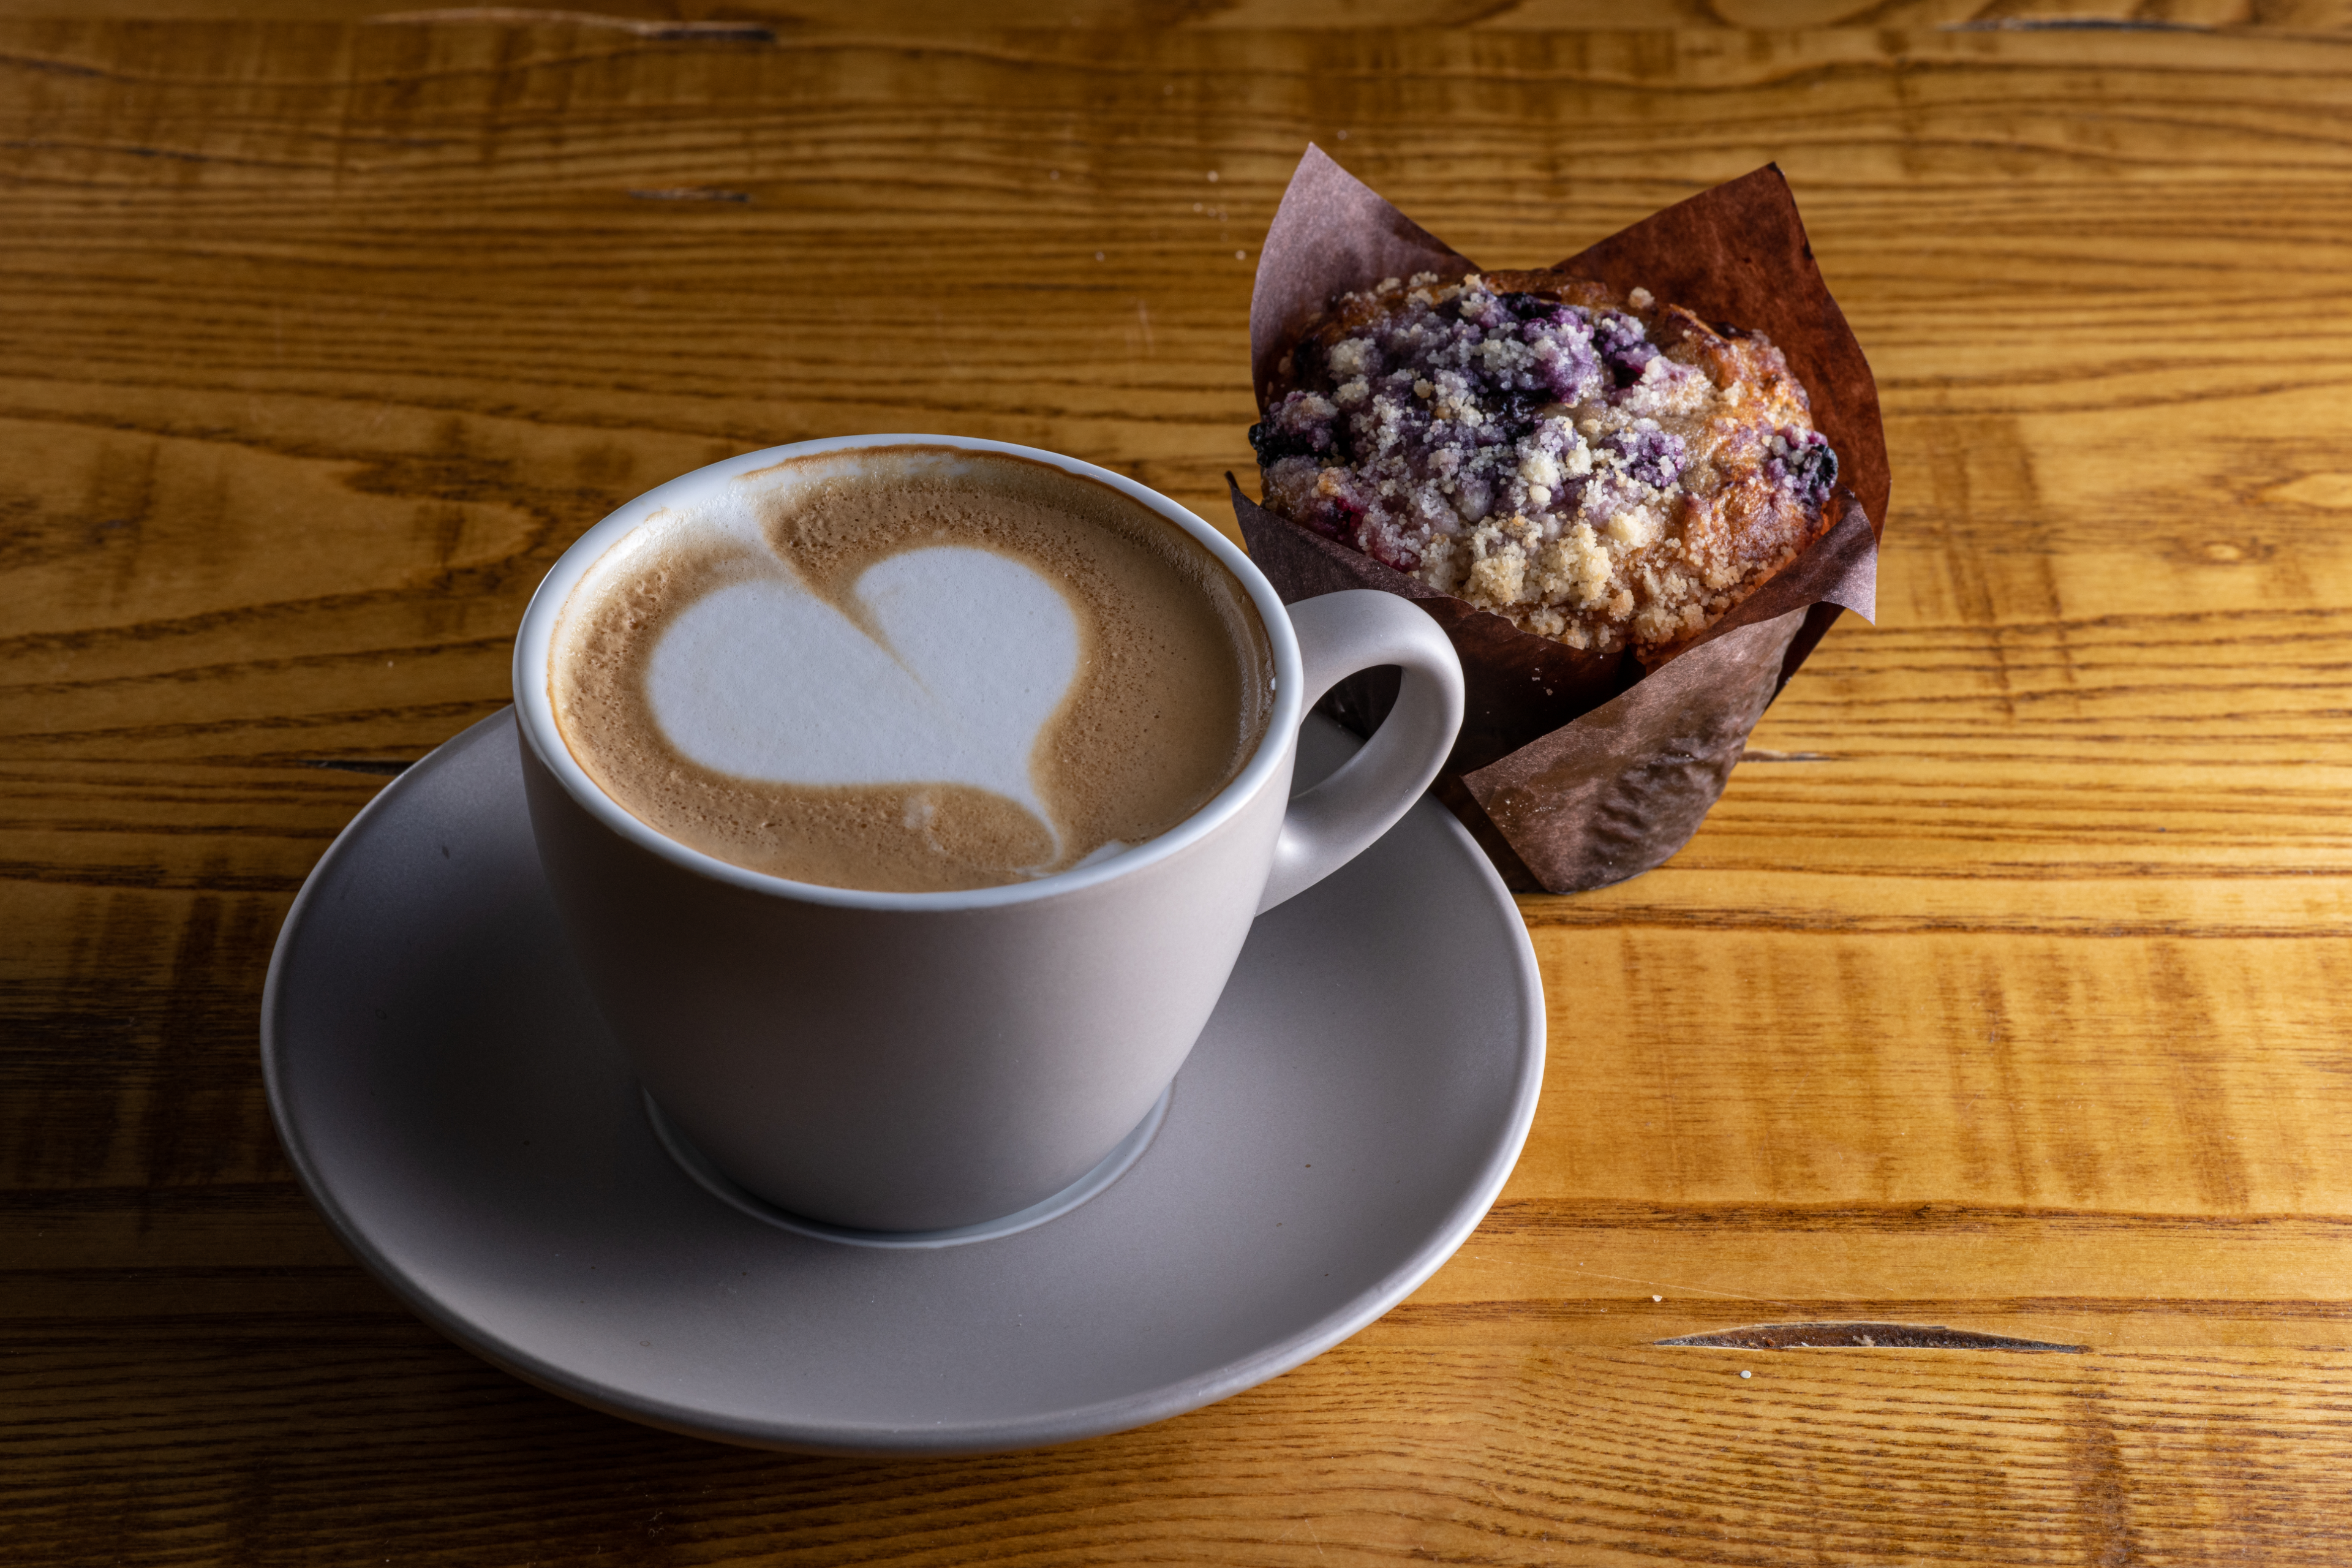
(2005, 989)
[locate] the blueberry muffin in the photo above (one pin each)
(1605, 471)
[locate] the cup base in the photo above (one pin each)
(719, 1184)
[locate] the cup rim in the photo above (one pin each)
(535, 637)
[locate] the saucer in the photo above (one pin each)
(457, 1111)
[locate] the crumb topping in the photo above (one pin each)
(1606, 471)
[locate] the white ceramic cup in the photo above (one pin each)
(913, 1062)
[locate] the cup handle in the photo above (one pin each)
(1339, 634)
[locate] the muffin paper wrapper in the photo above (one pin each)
(1574, 770)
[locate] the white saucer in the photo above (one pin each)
(455, 1108)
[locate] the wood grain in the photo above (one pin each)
(2005, 990)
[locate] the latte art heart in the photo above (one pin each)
(909, 670)
(764, 680)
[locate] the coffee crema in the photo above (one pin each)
(910, 670)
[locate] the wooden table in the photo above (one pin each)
(2004, 991)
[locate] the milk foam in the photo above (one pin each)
(910, 668)
(974, 652)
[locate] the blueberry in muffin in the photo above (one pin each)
(1602, 470)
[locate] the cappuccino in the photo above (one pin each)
(910, 670)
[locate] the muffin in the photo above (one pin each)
(1621, 631)
(1602, 470)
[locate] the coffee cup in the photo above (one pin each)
(910, 1057)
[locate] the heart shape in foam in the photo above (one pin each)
(765, 680)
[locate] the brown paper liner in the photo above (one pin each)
(1574, 770)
